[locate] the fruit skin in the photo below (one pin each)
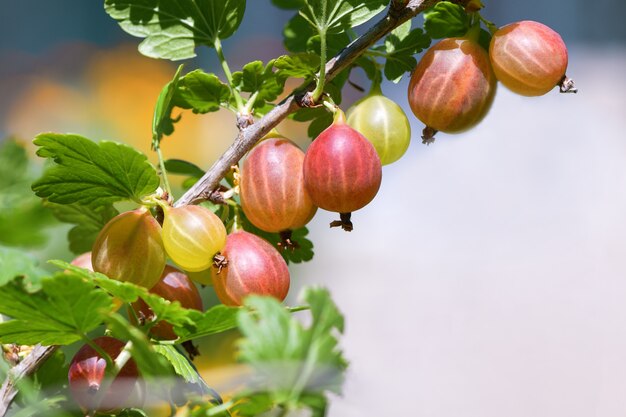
(254, 267)
(192, 235)
(528, 57)
(87, 371)
(272, 190)
(173, 286)
(453, 86)
(130, 248)
(84, 261)
(384, 123)
(342, 171)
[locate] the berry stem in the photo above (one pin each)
(217, 44)
(321, 78)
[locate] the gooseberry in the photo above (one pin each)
(84, 261)
(452, 87)
(173, 286)
(382, 122)
(272, 188)
(87, 374)
(528, 57)
(342, 171)
(192, 235)
(130, 248)
(253, 267)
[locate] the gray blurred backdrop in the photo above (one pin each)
(488, 277)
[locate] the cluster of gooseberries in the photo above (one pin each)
(281, 187)
(453, 86)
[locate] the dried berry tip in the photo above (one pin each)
(286, 242)
(219, 262)
(566, 85)
(344, 223)
(428, 135)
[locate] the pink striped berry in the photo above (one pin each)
(342, 171)
(253, 267)
(453, 86)
(272, 186)
(528, 57)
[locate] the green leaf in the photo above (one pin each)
(24, 222)
(290, 359)
(13, 164)
(162, 122)
(163, 309)
(92, 174)
(15, 263)
(260, 79)
(320, 119)
(88, 223)
(201, 92)
(254, 405)
(217, 319)
(23, 219)
(173, 29)
(65, 308)
(297, 33)
(301, 65)
(181, 167)
(180, 363)
(288, 4)
(401, 45)
(333, 16)
(149, 362)
(446, 20)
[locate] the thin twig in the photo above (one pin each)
(27, 367)
(250, 135)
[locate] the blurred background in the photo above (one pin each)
(488, 277)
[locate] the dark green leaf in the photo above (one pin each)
(162, 122)
(180, 363)
(217, 319)
(149, 362)
(484, 39)
(92, 174)
(201, 92)
(401, 45)
(446, 20)
(333, 16)
(290, 359)
(172, 29)
(260, 79)
(301, 65)
(65, 308)
(180, 167)
(88, 223)
(297, 33)
(52, 376)
(16, 263)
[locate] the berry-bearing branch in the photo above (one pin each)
(399, 12)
